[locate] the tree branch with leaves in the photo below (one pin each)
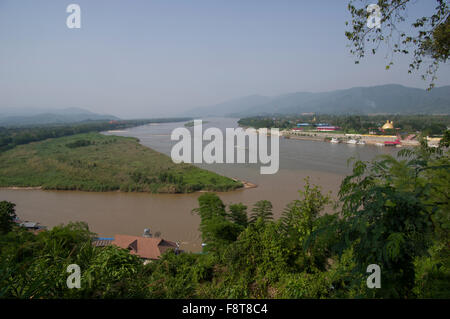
(427, 38)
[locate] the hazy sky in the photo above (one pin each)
(156, 58)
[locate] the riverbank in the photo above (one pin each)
(246, 184)
(22, 188)
(323, 136)
(98, 163)
(116, 212)
(343, 137)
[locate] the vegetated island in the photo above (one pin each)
(96, 162)
(192, 123)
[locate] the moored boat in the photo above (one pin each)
(392, 143)
(334, 140)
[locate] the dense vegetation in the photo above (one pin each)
(427, 125)
(96, 162)
(12, 136)
(393, 212)
(192, 124)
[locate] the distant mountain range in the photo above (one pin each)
(391, 99)
(231, 106)
(32, 116)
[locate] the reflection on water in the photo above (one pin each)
(129, 213)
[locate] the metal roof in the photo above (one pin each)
(29, 224)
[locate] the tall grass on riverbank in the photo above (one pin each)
(95, 162)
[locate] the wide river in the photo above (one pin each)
(129, 213)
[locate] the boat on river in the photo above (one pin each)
(334, 140)
(392, 143)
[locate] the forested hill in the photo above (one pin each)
(391, 99)
(10, 137)
(30, 116)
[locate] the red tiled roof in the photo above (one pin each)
(144, 247)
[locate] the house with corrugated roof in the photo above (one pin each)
(33, 227)
(146, 247)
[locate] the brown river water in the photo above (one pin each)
(113, 213)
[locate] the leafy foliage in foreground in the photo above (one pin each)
(392, 212)
(426, 39)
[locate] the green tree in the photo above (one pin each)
(238, 214)
(217, 231)
(301, 213)
(179, 276)
(391, 214)
(7, 216)
(263, 210)
(300, 220)
(67, 238)
(427, 37)
(113, 273)
(34, 266)
(256, 260)
(210, 205)
(445, 141)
